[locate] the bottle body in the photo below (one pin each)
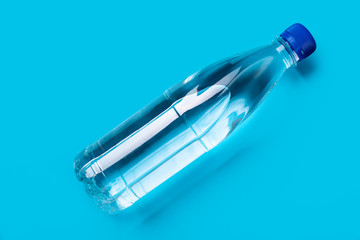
(188, 120)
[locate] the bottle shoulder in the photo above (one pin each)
(243, 67)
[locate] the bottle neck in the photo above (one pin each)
(288, 55)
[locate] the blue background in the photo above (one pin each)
(70, 71)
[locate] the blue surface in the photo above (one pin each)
(290, 172)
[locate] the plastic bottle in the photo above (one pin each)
(188, 120)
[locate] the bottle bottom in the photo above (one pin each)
(121, 202)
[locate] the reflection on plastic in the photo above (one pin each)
(194, 116)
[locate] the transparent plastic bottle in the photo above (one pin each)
(188, 120)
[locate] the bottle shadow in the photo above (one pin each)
(152, 208)
(188, 182)
(225, 163)
(303, 70)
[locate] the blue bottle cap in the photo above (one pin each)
(300, 40)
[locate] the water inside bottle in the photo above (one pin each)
(172, 140)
